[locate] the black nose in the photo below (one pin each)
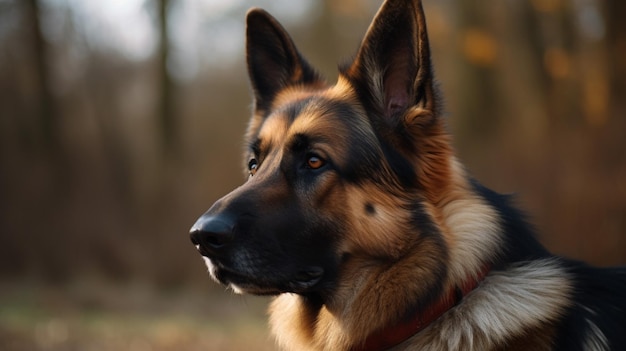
(212, 234)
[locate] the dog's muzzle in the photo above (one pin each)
(245, 265)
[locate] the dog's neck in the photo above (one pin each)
(419, 319)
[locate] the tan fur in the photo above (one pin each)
(470, 227)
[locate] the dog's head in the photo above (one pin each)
(336, 174)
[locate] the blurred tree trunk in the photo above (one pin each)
(325, 39)
(478, 104)
(616, 35)
(534, 36)
(167, 123)
(45, 107)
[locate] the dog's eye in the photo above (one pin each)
(252, 166)
(314, 162)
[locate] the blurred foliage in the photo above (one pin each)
(118, 129)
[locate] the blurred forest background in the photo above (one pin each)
(121, 122)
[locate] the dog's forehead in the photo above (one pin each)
(320, 117)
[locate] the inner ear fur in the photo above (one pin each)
(392, 70)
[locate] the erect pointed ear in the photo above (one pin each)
(392, 70)
(274, 63)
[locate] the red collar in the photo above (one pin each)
(395, 334)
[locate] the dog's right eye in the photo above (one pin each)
(314, 162)
(253, 164)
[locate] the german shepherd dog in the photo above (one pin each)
(357, 216)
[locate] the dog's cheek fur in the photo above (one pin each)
(370, 292)
(381, 257)
(377, 228)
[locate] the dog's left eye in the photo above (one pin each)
(252, 166)
(314, 162)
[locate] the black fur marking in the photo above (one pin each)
(255, 147)
(364, 164)
(520, 242)
(401, 166)
(294, 109)
(428, 231)
(370, 209)
(299, 143)
(341, 110)
(598, 300)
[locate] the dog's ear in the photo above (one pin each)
(392, 71)
(274, 63)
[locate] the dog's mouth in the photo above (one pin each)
(302, 282)
(309, 278)
(267, 283)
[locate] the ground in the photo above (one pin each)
(136, 318)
